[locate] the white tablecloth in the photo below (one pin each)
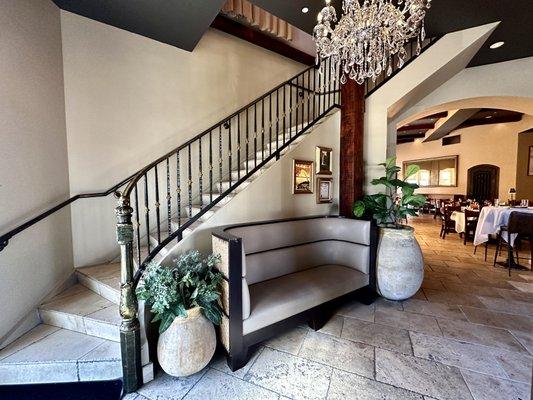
(459, 218)
(490, 221)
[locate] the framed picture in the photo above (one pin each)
(323, 160)
(324, 191)
(302, 177)
(530, 163)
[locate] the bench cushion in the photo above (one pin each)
(274, 263)
(280, 298)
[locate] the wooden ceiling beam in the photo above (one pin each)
(407, 128)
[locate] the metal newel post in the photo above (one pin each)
(130, 339)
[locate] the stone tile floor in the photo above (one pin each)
(467, 334)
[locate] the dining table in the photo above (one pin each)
(460, 220)
(490, 221)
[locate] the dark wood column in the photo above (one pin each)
(352, 175)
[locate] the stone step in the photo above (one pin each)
(48, 354)
(102, 279)
(82, 310)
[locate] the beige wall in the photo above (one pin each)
(33, 157)
(130, 99)
(487, 144)
(270, 195)
(524, 182)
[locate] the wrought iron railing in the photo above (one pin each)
(161, 202)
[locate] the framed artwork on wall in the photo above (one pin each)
(302, 177)
(530, 162)
(323, 160)
(324, 191)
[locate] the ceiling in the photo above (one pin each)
(444, 16)
(485, 116)
(182, 23)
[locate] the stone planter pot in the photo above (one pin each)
(400, 264)
(188, 345)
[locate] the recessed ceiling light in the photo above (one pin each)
(305, 10)
(496, 45)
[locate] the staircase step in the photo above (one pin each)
(208, 214)
(49, 354)
(82, 310)
(144, 251)
(103, 279)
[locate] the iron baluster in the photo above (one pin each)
(238, 148)
(263, 129)
(270, 123)
(169, 198)
(138, 227)
(229, 154)
(210, 166)
(284, 113)
(220, 159)
(290, 111)
(147, 211)
(247, 140)
(255, 135)
(189, 183)
(308, 97)
(277, 122)
(297, 102)
(157, 204)
(200, 173)
(178, 187)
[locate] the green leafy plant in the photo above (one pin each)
(190, 282)
(389, 208)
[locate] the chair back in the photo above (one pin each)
(521, 223)
(471, 215)
(449, 209)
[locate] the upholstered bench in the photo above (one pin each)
(279, 274)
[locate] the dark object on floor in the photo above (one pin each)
(521, 224)
(105, 390)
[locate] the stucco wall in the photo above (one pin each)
(33, 158)
(524, 182)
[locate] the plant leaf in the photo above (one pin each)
(411, 170)
(359, 209)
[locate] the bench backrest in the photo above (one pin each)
(274, 249)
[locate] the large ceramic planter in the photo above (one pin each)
(400, 264)
(188, 345)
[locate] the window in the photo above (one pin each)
(434, 172)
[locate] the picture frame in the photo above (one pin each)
(302, 177)
(530, 162)
(324, 190)
(324, 161)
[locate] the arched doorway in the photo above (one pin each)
(483, 182)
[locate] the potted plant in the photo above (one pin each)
(400, 264)
(184, 298)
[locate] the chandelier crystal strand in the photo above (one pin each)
(363, 43)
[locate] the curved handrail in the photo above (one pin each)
(4, 239)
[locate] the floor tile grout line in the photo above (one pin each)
(195, 383)
(38, 340)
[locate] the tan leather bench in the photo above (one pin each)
(283, 273)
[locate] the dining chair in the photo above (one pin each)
(521, 224)
(471, 220)
(448, 226)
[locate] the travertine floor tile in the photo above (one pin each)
(349, 386)
(442, 310)
(422, 376)
(453, 298)
(523, 287)
(485, 387)
(456, 354)
(409, 321)
(333, 326)
(479, 334)
(386, 337)
(507, 306)
(290, 341)
(358, 310)
(215, 385)
(289, 375)
(36, 334)
(339, 353)
(498, 319)
(166, 387)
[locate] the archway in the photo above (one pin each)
(483, 182)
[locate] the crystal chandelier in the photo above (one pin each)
(367, 36)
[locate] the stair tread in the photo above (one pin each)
(83, 302)
(106, 274)
(49, 343)
(50, 354)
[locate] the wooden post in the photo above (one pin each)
(352, 174)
